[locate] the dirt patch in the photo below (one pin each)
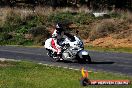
(110, 42)
(5, 64)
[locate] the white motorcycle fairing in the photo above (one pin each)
(73, 49)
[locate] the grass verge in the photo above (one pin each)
(31, 75)
(107, 49)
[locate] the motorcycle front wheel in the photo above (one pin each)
(88, 58)
(85, 59)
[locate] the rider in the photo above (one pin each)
(59, 31)
(55, 45)
(52, 46)
(49, 47)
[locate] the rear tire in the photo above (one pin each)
(55, 59)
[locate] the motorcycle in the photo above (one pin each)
(72, 50)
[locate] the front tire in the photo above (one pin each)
(88, 59)
(85, 59)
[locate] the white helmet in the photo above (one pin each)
(59, 26)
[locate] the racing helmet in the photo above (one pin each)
(59, 26)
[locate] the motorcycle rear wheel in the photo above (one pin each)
(55, 59)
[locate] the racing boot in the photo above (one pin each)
(55, 55)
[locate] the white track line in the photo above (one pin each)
(58, 66)
(65, 67)
(5, 59)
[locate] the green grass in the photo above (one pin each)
(107, 49)
(31, 75)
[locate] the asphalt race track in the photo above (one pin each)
(106, 61)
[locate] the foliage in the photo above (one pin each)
(115, 15)
(13, 20)
(95, 4)
(59, 17)
(36, 24)
(41, 30)
(17, 39)
(5, 36)
(78, 18)
(22, 30)
(84, 18)
(102, 29)
(40, 34)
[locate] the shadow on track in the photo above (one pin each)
(99, 62)
(108, 62)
